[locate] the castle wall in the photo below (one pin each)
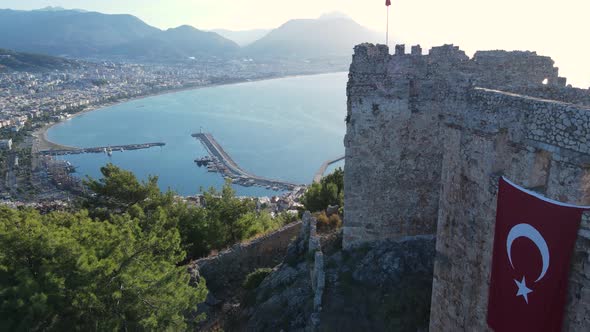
(536, 144)
(428, 159)
(393, 146)
(228, 269)
(389, 144)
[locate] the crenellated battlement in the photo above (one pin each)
(492, 69)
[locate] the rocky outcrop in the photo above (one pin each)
(284, 301)
(383, 286)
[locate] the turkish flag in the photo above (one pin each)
(388, 2)
(533, 245)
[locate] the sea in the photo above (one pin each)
(280, 128)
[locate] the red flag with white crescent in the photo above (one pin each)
(533, 244)
(388, 2)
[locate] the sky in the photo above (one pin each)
(557, 28)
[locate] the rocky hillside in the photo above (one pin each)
(382, 287)
(18, 61)
(385, 287)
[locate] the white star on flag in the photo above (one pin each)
(523, 290)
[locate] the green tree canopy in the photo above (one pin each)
(118, 190)
(224, 220)
(330, 191)
(65, 271)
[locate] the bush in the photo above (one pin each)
(254, 279)
(326, 223)
(335, 221)
(322, 220)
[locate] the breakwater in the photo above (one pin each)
(320, 173)
(220, 161)
(101, 149)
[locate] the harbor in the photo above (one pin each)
(101, 149)
(220, 161)
(281, 154)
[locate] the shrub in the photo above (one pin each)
(326, 223)
(254, 279)
(335, 221)
(323, 221)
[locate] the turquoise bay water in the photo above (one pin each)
(283, 129)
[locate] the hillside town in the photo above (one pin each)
(26, 95)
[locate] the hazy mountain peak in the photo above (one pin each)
(312, 38)
(51, 9)
(333, 15)
(184, 27)
(59, 9)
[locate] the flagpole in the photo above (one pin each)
(387, 29)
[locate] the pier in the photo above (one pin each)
(320, 173)
(100, 149)
(221, 162)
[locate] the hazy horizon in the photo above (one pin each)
(551, 28)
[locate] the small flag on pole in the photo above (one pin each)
(387, 3)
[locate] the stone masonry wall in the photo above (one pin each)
(228, 269)
(428, 137)
(536, 143)
(390, 143)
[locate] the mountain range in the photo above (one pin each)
(78, 34)
(92, 35)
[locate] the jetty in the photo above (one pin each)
(220, 161)
(100, 149)
(320, 173)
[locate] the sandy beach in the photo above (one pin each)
(42, 143)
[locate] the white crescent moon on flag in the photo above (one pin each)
(531, 233)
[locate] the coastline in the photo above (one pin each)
(43, 143)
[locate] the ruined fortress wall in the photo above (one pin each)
(229, 268)
(427, 139)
